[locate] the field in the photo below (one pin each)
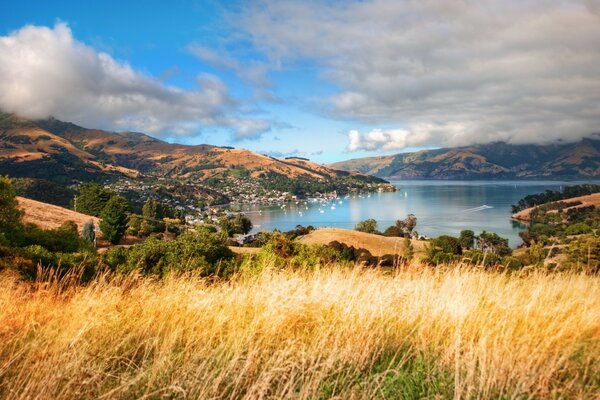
(328, 333)
(378, 245)
(48, 216)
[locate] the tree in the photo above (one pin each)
(495, 244)
(240, 224)
(367, 226)
(153, 213)
(10, 215)
(114, 219)
(134, 225)
(92, 199)
(89, 231)
(467, 238)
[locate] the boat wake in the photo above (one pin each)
(475, 209)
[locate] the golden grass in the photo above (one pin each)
(331, 333)
(377, 245)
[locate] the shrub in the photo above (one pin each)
(367, 226)
(579, 228)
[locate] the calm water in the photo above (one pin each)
(441, 207)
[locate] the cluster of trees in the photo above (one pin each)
(488, 248)
(202, 250)
(564, 230)
(402, 227)
(93, 199)
(235, 224)
(25, 246)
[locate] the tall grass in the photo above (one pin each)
(329, 333)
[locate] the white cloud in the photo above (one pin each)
(445, 72)
(47, 72)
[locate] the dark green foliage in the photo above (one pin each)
(44, 191)
(583, 254)
(237, 224)
(202, 251)
(579, 228)
(89, 231)
(467, 239)
(10, 215)
(367, 226)
(114, 219)
(92, 199)
(393, 231)
(491, 242)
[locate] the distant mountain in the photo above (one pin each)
(580, 160)
(61, 151)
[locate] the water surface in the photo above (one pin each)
(441, 207)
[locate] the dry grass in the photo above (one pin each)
(378, 245)
(48, 216)
(588, 200)
(330, 333)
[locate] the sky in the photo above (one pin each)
(326, 80)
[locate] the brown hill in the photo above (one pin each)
(580, 160)
(48, 216)
(38, 149)
(378, 245)
(589, 200)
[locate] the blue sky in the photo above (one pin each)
(325, 80)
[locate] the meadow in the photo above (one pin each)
(329, 332)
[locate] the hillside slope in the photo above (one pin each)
(584, 201)
(48, 216)
(52, 149)
(579, 160)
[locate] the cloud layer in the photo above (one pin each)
(47, 72)
(446, 73)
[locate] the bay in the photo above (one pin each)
(441, 207)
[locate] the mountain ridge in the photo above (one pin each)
(73, 151)
(498, 160)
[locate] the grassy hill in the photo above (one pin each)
(48, 148)
(579, 160)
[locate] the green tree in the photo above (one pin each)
(92, 199)
(134, 225)
(153, 213)
(367, 226)
(493, 243)
(10, 215)
(466, 239)
(89, 231)
(114, 219)
(239, 224)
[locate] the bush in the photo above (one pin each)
(367, 226)
(579, 228)
(203, 251)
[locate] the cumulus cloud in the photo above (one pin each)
(47, 72)
(445, 72)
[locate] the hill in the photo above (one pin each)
(499, 160)
(48, 216)
(65, 153)
(27, 146)
(571, 203)
(376, 244)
